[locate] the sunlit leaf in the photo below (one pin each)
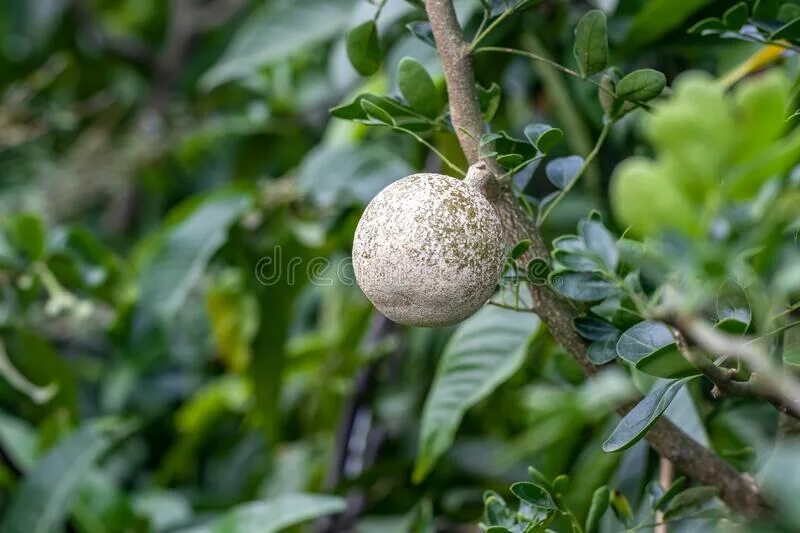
(482, 354)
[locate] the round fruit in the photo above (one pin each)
(646, 200)
(428, 250)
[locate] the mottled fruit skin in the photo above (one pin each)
(428, 250)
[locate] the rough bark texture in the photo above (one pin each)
(738, 490)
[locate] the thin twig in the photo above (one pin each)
(558, 66)
(586, 162)
(768, 381)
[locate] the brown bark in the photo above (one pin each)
(738, 490)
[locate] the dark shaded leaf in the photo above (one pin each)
(790, 31)
(600, 241)
(602, 352)
(543, 136)
(563, 170)
(689, 502)
(582, 286)
(591, 43)
(520, 248)
(600, 501)
(533, 494)
(364, 48)
(670, 493)
(766, 9)
(489, 100)
(417, 87)
(42, 501)
(641, 85)
(650, 346)
(635, 424)
(423, 32)
(594, 329)
(736, 16)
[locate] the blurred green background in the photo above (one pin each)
(161, 371)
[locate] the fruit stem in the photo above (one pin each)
(482, 178)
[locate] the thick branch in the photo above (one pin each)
(739, 491)
(767, 382)
(461, 92)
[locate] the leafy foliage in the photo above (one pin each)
(183, 346)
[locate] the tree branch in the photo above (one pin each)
(767, 381)
(739, 491)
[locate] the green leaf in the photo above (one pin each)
(401, 114)
(377, 113)
(600, 500)
(650, 346)
(674, 489)
(582, 286)
(644, 339)
(533, 494)
(417, 87)
(276, 514)
(423, 32)
(275, 32)
(186, 249)
(591, 43)
(27, 233)
(689, 502)
(766, 9)
(520, 248)
(780, 478)
(621, 507)
(788, 12)
(483, 352)
(790, 31)
(635, 424)
(561, 171)
(42, 502)
(595, 329)
(496, 510)
(364, 48)
(641, 85)
(18, 440)
(602, 352)
(736, 16)
(543, 136)
(708, 26)
(775, 160)
(354, 174)
(513, 151)
(600, 241)
(656, 18)
(489, 101)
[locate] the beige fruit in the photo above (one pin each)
(428, 250)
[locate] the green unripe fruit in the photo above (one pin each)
(646, 200)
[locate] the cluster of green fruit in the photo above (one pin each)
(711, 147)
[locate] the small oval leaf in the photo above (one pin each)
(417, 87)
(641, 85)
(364, 48)
(591, 43)
(635, 424)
